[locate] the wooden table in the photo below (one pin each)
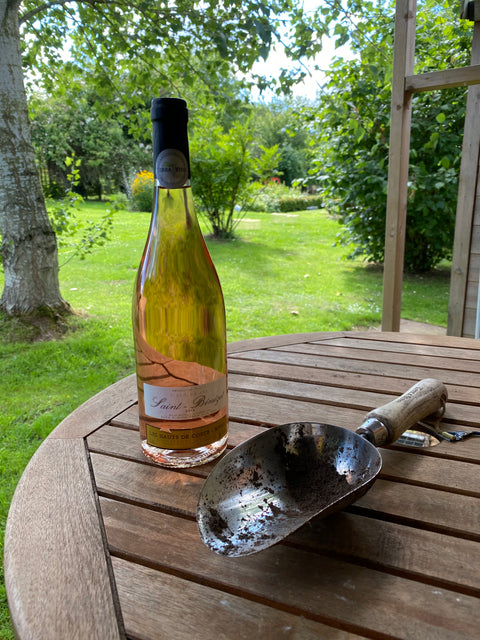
(102, 544)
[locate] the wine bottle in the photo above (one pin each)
(178, 313)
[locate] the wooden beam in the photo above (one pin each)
(445, 79)
(403, 58)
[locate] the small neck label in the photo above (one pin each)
(171, 169)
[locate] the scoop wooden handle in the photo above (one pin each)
(425, 398)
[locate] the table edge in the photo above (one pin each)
(82, 562)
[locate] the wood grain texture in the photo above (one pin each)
(438, 341)
(283, 340)
(144, 592)
(56, 570)
(403, 490)
(318, 587)
(305, 368)
(444, 79)
(398, 158)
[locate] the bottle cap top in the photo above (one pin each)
(169, 108)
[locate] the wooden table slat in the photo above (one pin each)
(398, 548)
(304, 368)
(61, 532)
(335, 363)
(123, 443)
(427, 506)
(272, 410)
(325, 395)
(466, 352)
(370, 358)
(452, 342)
(398, 465)
(274, 341)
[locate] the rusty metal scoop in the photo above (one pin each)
(275, 482)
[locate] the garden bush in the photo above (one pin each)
(142, 191)
(299, 203)
(276, 197)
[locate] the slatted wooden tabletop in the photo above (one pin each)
(102, 544)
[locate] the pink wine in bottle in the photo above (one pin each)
(178, 314)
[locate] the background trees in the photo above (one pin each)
(71, 124)
(145, 47)
(97, 64)
(282, 123)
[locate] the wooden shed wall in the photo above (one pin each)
(471, 297)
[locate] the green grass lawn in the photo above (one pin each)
(282, 274)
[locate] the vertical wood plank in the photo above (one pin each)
(58, 579)
(465, 205)
(403, 61)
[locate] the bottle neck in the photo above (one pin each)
(173, 196)
(171, 165)
(171, 159)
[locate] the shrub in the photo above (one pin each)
(299, 202)
(351, 132)
(142, 191)
(275, 197)
(223, 162)
(120, 201)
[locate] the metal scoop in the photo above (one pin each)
(275, 482)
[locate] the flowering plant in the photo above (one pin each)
(142, 191)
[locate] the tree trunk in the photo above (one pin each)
(29, 246)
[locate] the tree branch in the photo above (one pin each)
(42, 7)
(59, 3)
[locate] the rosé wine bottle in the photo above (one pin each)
(178, 314)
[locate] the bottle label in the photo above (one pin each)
(185, 403)
(171, 169)
(187, 438)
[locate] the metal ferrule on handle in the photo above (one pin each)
(374, 430)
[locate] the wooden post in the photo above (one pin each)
(403, 59)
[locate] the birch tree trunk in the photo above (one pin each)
(29, 246)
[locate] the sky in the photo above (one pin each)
(313, 82)
(309, 87)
